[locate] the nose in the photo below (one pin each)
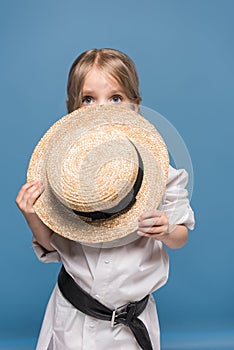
(102, 101)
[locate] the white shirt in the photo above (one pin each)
(134, 267)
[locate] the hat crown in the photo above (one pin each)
(94, 171)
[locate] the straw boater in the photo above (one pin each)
(101, 167)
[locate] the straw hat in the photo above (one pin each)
(102, 167)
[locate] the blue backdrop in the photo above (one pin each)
(184, 54)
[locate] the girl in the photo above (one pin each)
(97, 77)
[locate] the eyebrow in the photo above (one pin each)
(112, 92)
(87, 92)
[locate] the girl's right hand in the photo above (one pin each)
(27, 196)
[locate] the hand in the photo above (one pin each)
(28, 195)
(153, 223)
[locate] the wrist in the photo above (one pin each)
(30, 216)
(170, 228)
(176, 237)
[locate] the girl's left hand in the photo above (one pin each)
(153, 223)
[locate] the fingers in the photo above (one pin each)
(25, 188)
(151, 214)
(151, 231)
(27, 196)
(152, 223)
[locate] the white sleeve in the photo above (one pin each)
(175, 202)
(43, 254)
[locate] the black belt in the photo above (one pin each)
(127, 314)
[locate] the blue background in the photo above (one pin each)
(184, 53)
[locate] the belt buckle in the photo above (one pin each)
(117, 312)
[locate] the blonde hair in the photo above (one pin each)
(115, 63)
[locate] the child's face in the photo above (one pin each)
(99, 88)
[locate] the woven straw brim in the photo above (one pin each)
(153, 152)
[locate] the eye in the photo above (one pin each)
(87, 100)
(117, 98)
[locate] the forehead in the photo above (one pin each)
(100, 78)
